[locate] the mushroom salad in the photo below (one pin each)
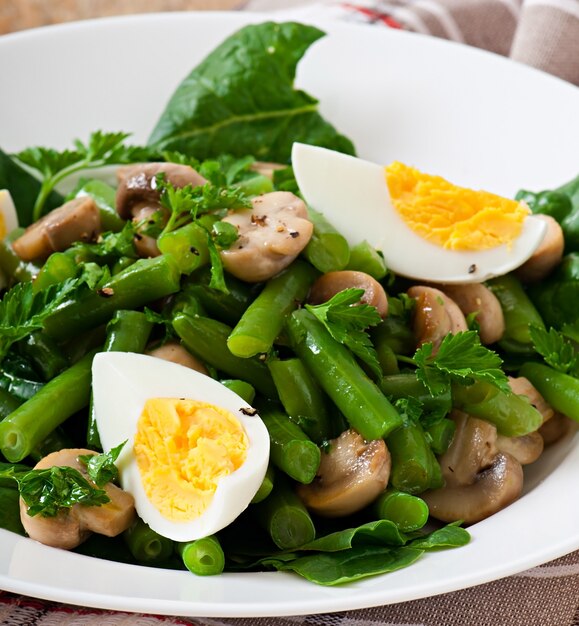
(199, 370)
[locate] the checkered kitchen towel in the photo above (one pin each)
(542, 33)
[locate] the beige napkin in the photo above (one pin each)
(542, 33)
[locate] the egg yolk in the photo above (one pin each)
(183, 448)
(453, 217)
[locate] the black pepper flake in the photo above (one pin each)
(138, 236)
(106, 292)
(472, 269)
(251, 411)
(194, 251)
(260, 220)
(293, 234)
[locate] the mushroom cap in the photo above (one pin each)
(69, 528)
(526, 448)
(176, 353)
(351, 475)
(137, 183)
(331, 283)
(476, 298)
(435, 315)
(271, 235)
(547, 256)
(76, 220)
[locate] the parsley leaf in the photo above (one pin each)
(101, 468)
(48, 491)
(460, 358)
(346, 319)
(22, 310)
(101, 149)
(557, 350)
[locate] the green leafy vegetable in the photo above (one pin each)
(346, 319)
(101, 468)
(48, 491)
(449, 536)
(101, 149)
(241, 100)
(460, 358)
(557, 350)
(22, 311)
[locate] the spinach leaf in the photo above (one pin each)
(381, 532)
(241, 100)
(24, 189)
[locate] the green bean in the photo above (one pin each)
(512, 414)
(394, 333)
(146, 545)
(560, 390)
(365, 258)
(440, 435)
(10, 510)
(414, 466)
(128, 331)
(203, 557)
(141, 283)
(302, 398)
(284, 517)
(256, 185)
(406, 385)
(519, 313)
(57, 268)
(104, 197)
(291, 450)
(226, 307)
(386, 358)
(186, 301)
(121, 264)
(44, 354)
(207, 339)
(11, 264)
(327, 250)
(8, 403)
(266, 315)
(408, 512)
(188, 245)
(360, 400)
(34, 420)
(266, 486)
(243, 389)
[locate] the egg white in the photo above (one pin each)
(122, 382)
(353, 195)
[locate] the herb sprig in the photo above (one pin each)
(556, 349)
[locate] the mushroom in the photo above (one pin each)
(76, 220)
(479, 479)
(271, 235)
(476, 298)
(72, 526)
(175, 353)
(266, 168)
(330, 284)
(351, 475)
(526, 448)
(523, 387)
(435, 315)
(556, 428)
(547, 256)
(138, 184)
(145, 245)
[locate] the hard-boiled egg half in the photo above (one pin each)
(426, 227)
(196, 453)
(8, 215)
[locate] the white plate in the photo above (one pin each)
(468, 115)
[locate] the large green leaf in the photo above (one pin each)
(241, 99)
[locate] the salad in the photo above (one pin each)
(338, 403)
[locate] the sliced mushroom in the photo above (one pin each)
(556, 428)
(271, 235)
(351, 475)
(176, 353)
(145, 245)
(435, 315)
(73, 526)
(479, 480)
(76, 220)
(547, 256)
(266, 168)
(526, 449)
(328, 285)
(523, 387)
(137, 184)
(476, 298)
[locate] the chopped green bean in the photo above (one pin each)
(243, 389)
(327, 250)
(203, 557)
(408, 512)
(266, 486)
(146, 545)
(365, 258)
